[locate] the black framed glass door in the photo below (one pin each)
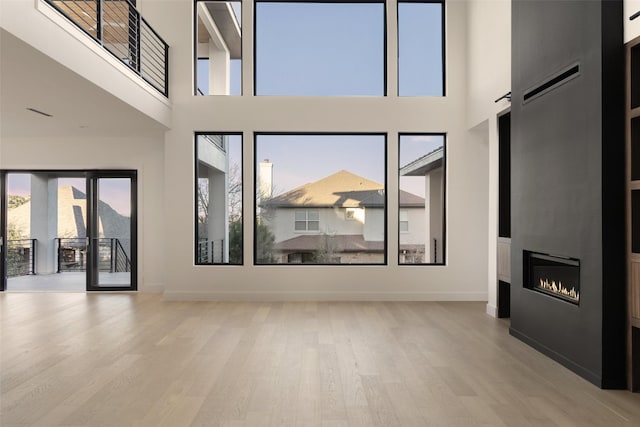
(68, 230)
(3, 228)
(112, 230)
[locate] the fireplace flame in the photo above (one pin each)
(560, 289)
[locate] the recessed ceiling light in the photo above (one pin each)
(39, 112)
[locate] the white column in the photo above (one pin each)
(219, 70)
(218, 215)
(492, 226)
(428, 244)
(44, 221)
(435, 214)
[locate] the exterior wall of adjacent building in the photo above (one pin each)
(332, 221)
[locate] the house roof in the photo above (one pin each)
(337, 243)
(341, 189)
(423, 165)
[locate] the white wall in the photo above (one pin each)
(631, 28)
(466, 194)
(489, 77)
(374, 224)
(416, 233)
(146, 155)
(38, 24)
(489, 72)
(332, 220)
(166, 223)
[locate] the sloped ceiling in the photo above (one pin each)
(30, 79)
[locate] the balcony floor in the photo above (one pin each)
(66, 282)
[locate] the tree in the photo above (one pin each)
(235, 242)
(264, 244)
(234, 200)
(15, 200)
(326, 251)
(17, 258)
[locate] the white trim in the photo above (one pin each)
(324, 296)
(492, 310)
(151, 288)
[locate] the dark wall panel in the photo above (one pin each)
(557, 175)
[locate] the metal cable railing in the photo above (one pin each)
(21, 257)
(122, 31)
(112, 255)
(211, 252)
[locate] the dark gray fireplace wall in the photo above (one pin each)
(567, 180)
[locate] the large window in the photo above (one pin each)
(218, 47)
(422, 199)
(320, 199)
(320, 48)
(420, 48)
(218, 198)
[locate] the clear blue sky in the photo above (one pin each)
(420, 49)
(299, 159)
(320, 49)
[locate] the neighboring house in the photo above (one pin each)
(338, 219)
(431, 166)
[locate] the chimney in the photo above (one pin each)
(265, 179)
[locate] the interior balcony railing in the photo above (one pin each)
(21, 257)
(122, 31)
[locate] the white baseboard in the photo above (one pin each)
(492, 310)
(152, 288)
(322, 296)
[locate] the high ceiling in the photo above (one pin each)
(30, 79)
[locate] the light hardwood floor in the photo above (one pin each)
(133, 359)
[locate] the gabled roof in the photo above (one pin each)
(341, 189)
(339, 243)
(423, 165)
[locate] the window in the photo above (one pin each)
(404, 221)
(218, 198)
(218, 47)
(322, 195)
(320, 48)
(422, 199)
(420, 48)
(307, 220)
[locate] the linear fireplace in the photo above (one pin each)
(556, 276)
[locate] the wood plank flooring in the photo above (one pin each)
(135, 360)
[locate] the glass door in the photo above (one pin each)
(3, 228)
(112, 231)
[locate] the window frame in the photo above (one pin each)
(443, 47)
(385, 250)
(196, 158)
(401, 221)
(306, 221)
(385, 49)
(443, 263)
